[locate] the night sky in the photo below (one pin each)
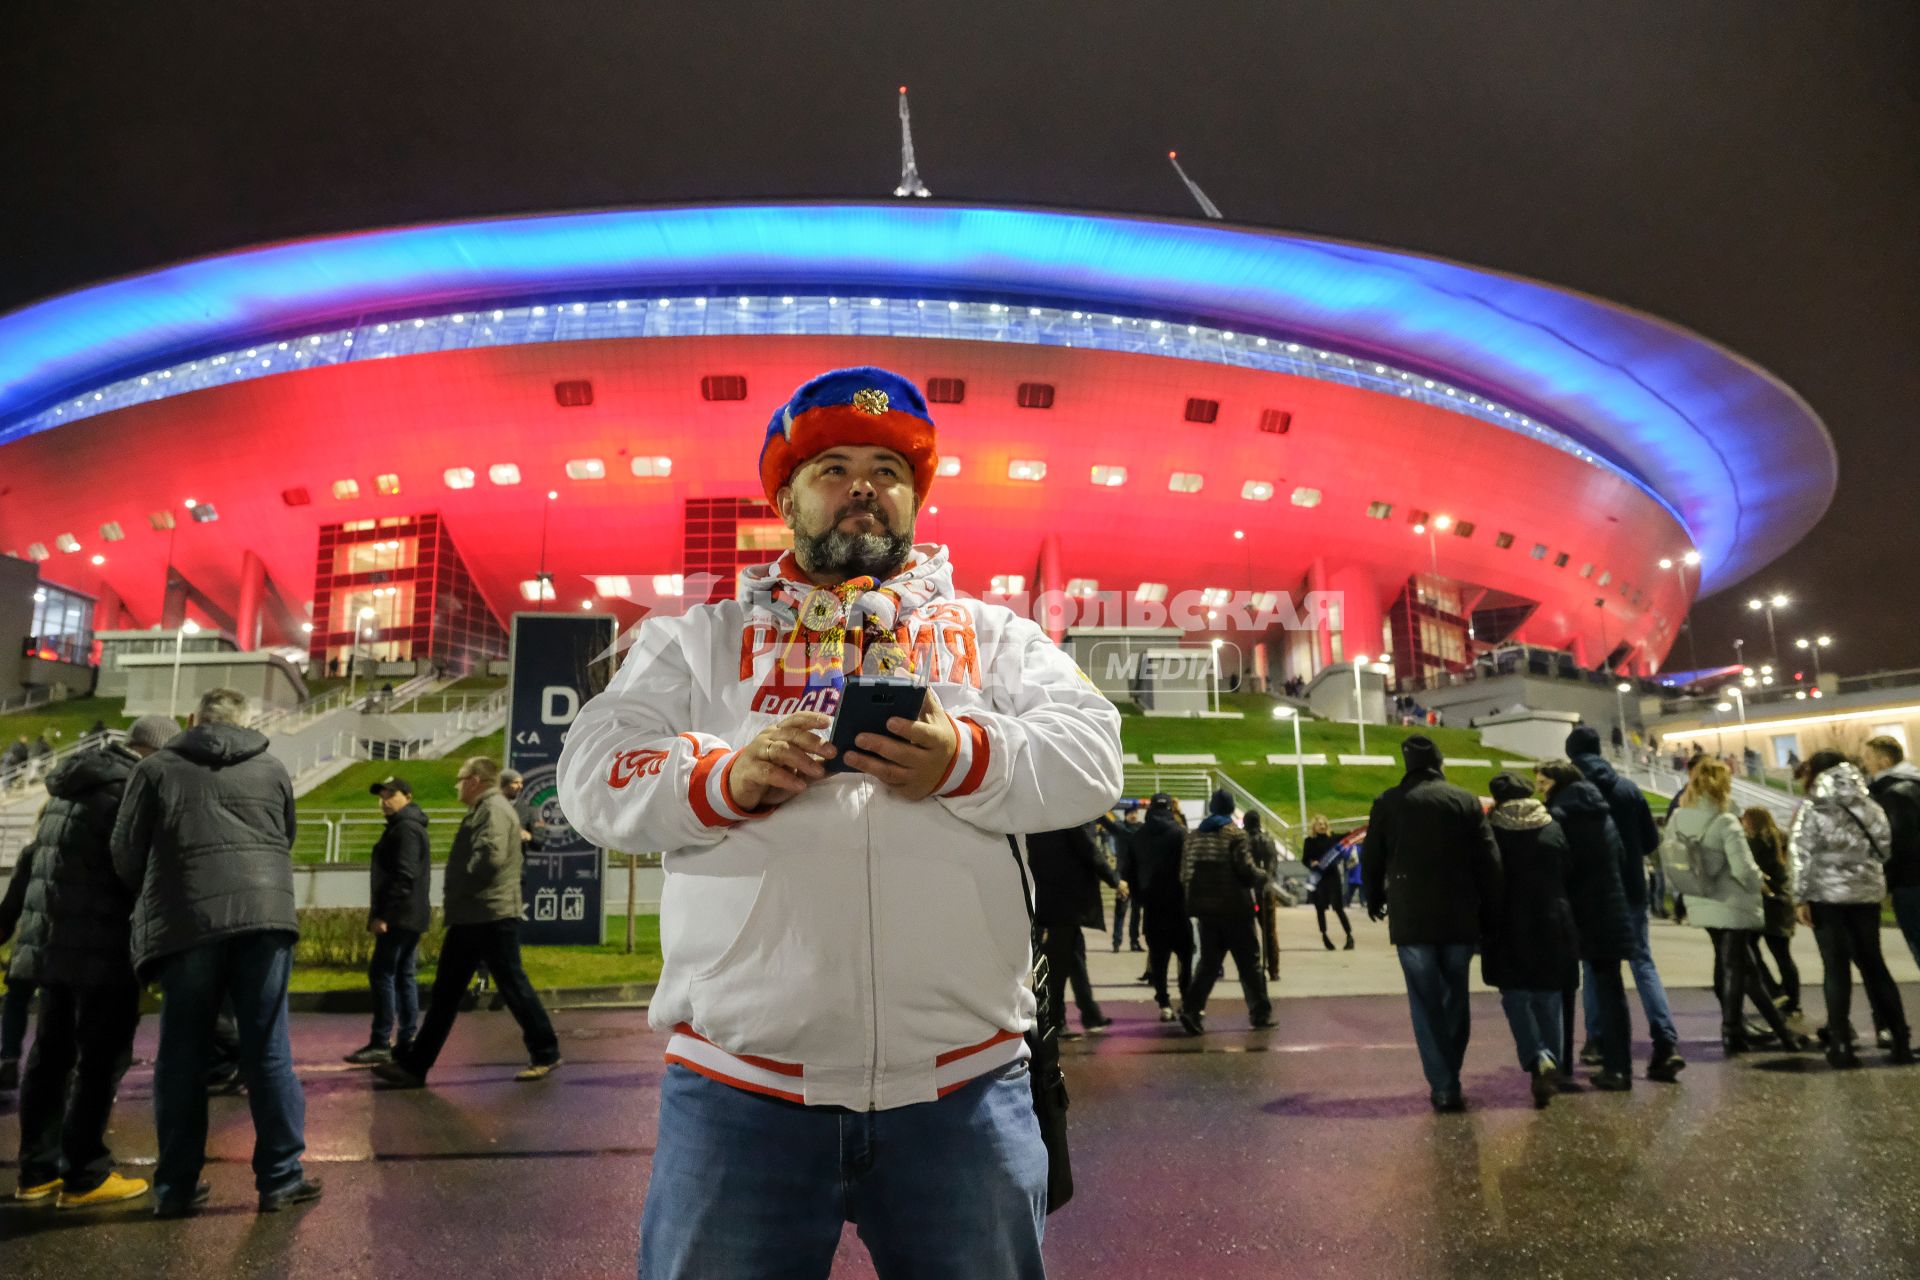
(1749, 169)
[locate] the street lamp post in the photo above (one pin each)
(1217, 642)
(1777, 600)
(1360, 701)
(1690, 559)
(1620, 692)
(1814, 646)
(1739, 697)
(353, 653)
(1299, 763)
(1719, 736)
(187, 627)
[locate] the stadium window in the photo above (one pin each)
(1034, 395)
(949, 466)
(1082, 588)
(576, 393)
(946, 390)
(1006, 584)
(1463, 529)
(586, 469)
(536, 589)
(36, 551)
(346, 490)
(1185, 481)
(655, 467)
(1416, 516)
(1214, 597)
(504, 473)
(1026, 469)
(1151, 592)
(612, 587)
(111, 531)
(388, 485)
(1539, 551)
(1109, 477)
(1266, 601)
(1379, 510)
(67, 542)
(1586, 570)
(1276, 422)
(1503, 540)
(296, 496)
(1305, 497)
(161, 520)
(1200, 410)
(1256, 491)
(669, 586)
(1560, 561)
(1605, 577)
(458, 477)
(723, 386)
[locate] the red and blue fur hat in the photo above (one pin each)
(863, 405)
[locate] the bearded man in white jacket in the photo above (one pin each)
(845, 987)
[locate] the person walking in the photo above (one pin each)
(1839, 847)
(16, 1006)
(1219, 879)
(482, 909)
(1322, 854)
(1707, 856)
(204, 839)
(1433, 873)
(845, 988)
(73, 943)
(1639, 846)
(1154, 876)
(1599, 901)
(1266, 859)
(1068, 869)
(13, 766)
(1127, 911)
(1895, 787)
(1532, 955)
(1769, 848)
(400, 910)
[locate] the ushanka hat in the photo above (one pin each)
(861, 406)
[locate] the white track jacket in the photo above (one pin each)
(848, 948)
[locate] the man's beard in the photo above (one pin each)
(836, 553)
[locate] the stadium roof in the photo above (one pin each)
(1735, 453)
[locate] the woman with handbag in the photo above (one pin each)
(1840, 840)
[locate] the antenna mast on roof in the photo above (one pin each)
(1207, 206)
(910, 184)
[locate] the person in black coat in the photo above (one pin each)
(73, 943)
(1533, 955)
(1320, 852)
(204, 839)
(1068, 869)
(1639, 841)
(1433, 872)
(400, 910)
(1153, 858)
(1599, 910)
(1220, 879)
(1126, 909)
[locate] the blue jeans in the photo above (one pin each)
(396, 986)
(1437, 995)
(746, 1187)
(253, 968)
(1906, 910)
(15, 1013)
(1646, 981)
(1534, 1017)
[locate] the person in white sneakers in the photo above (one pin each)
(845, 986)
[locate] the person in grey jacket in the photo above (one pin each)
(483, 924)
(204, 839)
(1731, 906)
(1839, 842)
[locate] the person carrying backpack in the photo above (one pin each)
(1706, 852)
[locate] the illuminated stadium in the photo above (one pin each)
(1128, 407)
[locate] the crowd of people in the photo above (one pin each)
(165, 860)
(1548, 882)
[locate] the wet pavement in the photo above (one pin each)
(1305, 1151)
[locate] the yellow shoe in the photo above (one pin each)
(38, 1192)
(112, 1191)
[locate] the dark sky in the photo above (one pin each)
(1750, 168)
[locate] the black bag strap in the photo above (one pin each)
(1879, 855)
(1039, 960)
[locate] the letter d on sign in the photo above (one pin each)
(558, 704)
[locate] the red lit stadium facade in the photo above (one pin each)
(1281, 443)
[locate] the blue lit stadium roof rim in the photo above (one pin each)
(1741, 457)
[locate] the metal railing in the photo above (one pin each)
(335, 835)
(33, 697)
(26, 786)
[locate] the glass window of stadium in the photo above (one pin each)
(62, 625)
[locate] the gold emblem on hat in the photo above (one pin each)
(871, 400)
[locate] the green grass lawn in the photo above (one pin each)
(432, 780)
(602, 966)
(1338, 791)
(68, 720)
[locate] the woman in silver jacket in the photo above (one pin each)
(1731, 908)
(1839, 843)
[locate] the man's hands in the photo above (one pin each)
(780, 761)
(376, 926)
(1376, 911)
(1122, 892)
(912, 755)
(1804, 914)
